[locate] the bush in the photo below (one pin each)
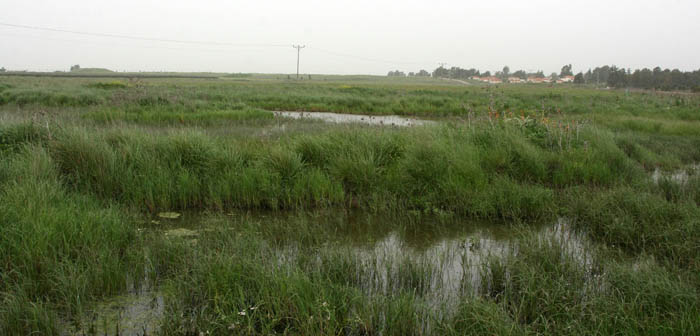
(108, 85)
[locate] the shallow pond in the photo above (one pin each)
(679, 176)
(439, 259)
(391, 120)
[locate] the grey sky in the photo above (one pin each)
(379, 35)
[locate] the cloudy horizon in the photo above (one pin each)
(349, 37)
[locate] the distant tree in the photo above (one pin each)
(641, 78)
(617, 77)
(656, 78)
(441, 72)
(578, 79)
(396, 73)
(601, 74)
(566, 71)
(506, 72)
(75, 67)
(538, 74)
(459, 73)
(486, 74)
(554, 76)
(2, 69)
(411, 74)
(520, 74)
(423, 73)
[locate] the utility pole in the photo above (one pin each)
(298, 48)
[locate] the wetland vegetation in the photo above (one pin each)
(522, 209)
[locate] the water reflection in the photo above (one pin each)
(439, 260)
(355, 118)
(679, 176)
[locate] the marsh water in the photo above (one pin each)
(137, 313)
(679, 176)
(441, 260)
(391, 120)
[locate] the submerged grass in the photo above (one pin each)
(545, 288)
(244, 284)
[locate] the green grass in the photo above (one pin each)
(493, 172)
(58, 249)
(108, 85)
(545, 289)
(282, 207)
(169, 116)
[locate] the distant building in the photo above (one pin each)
(538, 80)
(567, 79)
(515, 80)
(490, 80)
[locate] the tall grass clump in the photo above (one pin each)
(641, 222)
(57, 249)
(108, 85)
(181, 115)
(15, 136)
(242, 290)
(547, 287)
(489, 173)
(49, 98)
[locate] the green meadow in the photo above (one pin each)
(522, 209)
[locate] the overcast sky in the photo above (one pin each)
(351, 37)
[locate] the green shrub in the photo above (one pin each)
(108, 85)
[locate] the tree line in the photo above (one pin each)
(612, 76)
(656, 78)
(459, 73)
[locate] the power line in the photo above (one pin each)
(129, 37)
(140, 38)
(45, 38)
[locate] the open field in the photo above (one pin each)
(524, 209)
